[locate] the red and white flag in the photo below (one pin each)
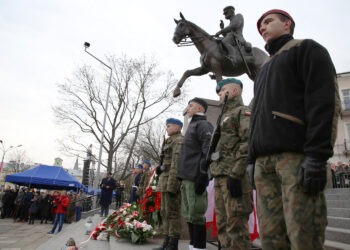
(211, 217)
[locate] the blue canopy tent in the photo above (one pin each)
(46, 177)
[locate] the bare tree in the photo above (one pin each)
(140, 93)
(19, 161)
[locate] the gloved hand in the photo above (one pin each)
(250, 173)
(234, 187)
(201, 183)
(158, 170)
(312, 175)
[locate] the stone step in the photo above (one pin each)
(334, 245)
(328, 244)
(338, 235)
(337, 196)
(338, 203)
(339, 222)
(337, 191)
(338, 212)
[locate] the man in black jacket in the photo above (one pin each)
(191, 170)
(293, 130)
(107, 186)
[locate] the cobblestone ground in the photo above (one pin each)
(20, 236)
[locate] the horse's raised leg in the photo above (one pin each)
(191, 72)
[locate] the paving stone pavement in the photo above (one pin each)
(21, 236)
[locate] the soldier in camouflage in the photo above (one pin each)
(169, 186)
(144, 179)
(293, 130)
(233, 193)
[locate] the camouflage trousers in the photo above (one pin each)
(288, 218)
(232, 216)
(170, 206)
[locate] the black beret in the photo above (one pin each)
(200, 102)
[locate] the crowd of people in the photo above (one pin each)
(340, 174)
(27, 205)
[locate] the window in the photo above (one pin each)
(346, 99)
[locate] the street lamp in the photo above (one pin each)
(4, 151)
(96, 180)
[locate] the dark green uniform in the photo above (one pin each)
(232, 214)
(169, 186)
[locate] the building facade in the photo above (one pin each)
(342, 143)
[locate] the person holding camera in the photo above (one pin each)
(60, 203)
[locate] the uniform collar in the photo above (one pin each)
(197, 117)
(273, 46)
(174, 135)
(234, 102)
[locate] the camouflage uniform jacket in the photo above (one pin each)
(143, 183)
(233, 142)
(168, 181)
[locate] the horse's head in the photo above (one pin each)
(182, 30)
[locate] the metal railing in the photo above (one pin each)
(341, 180)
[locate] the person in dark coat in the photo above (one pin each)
(26, 204)
(107, 186)
(34, 207)
(137, 177)
(45, 207)
(119, 195)
(19, 205)
(6, 205)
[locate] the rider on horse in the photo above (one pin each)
(233, 32)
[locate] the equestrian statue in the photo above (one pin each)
(230, 55)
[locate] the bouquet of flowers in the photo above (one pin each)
(132, 221)
(124, 223)
(150, 203)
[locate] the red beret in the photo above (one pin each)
(274, 11)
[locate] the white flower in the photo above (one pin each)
(103, 236)
(147, 228)
(124, 213)
(134, 206)
(127, 219)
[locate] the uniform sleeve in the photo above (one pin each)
(140, 190)
(173, 185)
(204, 131)
(240, 164)
(322, 105)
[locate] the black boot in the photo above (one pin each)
(165, 244)
(173, 244)
(199, 237)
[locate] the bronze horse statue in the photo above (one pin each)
(214, 55)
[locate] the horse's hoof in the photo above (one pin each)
(212, 76)
(176, 92)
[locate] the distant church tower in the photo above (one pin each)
(58, 162)
(76, 165)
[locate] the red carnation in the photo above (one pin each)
(149, 191)
(151, 209)
(156, 206)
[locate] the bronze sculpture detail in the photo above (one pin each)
(215, 56)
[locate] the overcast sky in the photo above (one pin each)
(41, 43)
